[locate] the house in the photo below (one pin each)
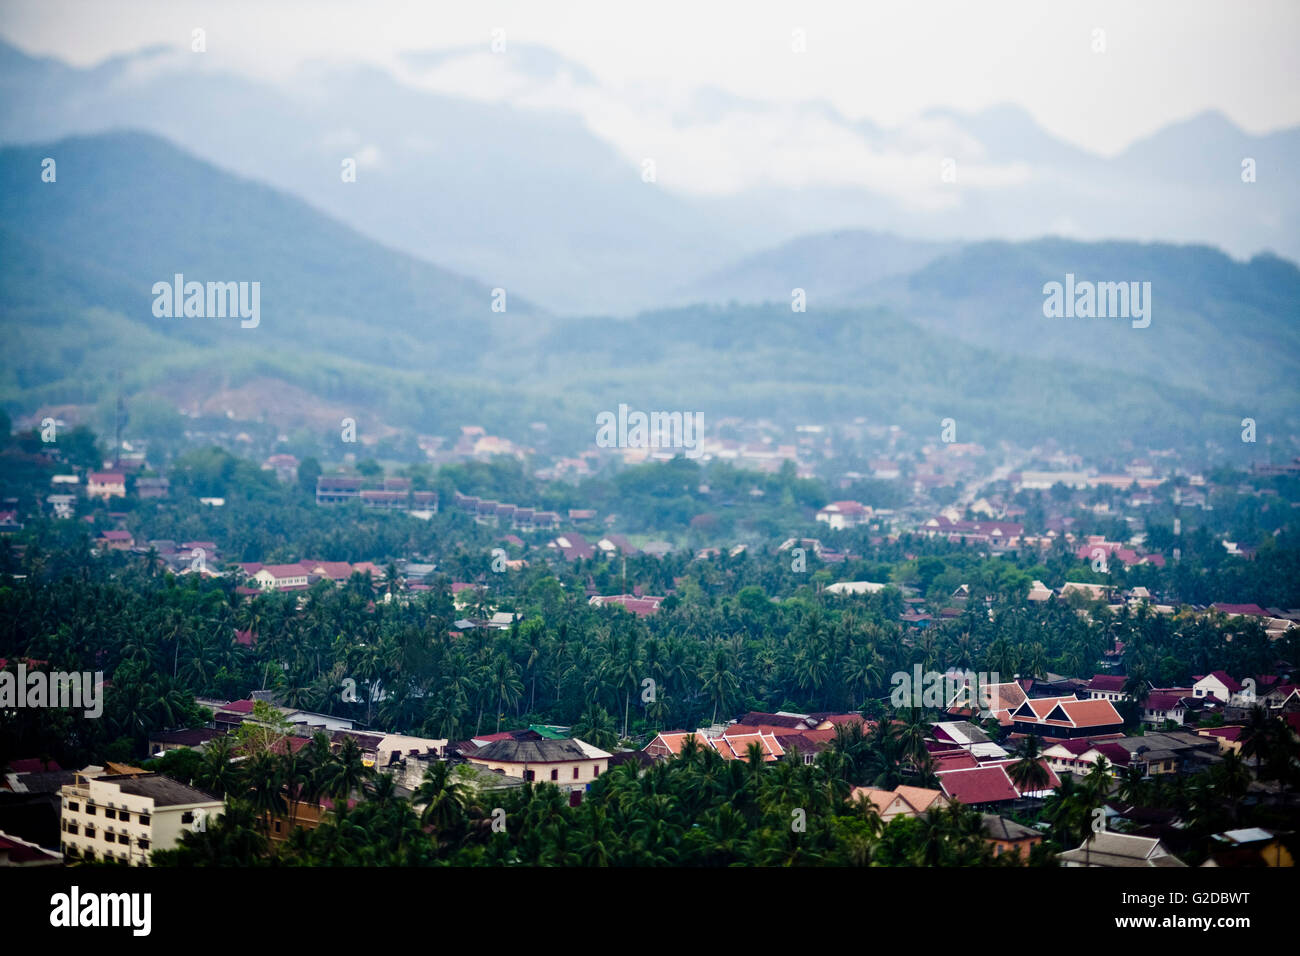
(669, 743)
(1216, 684)
(1095, 592)
(424, 503)
(193, 739)
(281, 577)
(30, 805)
(573, 546)
(284, 466)
(1253, 846)
(1107, 687)
(385, 499)
(1007, 836)
(15, 851)
(1110, 849)
(1040, 592)
(152, 487)
(1161, 706)
(570, 764)
(1239, 610)
(1172, 751)
(1228, 737)
(734, 745)
(337, 489)
(1000, 534)
(336, 571)
(116, 540)
(1002, 700)
(844, 514)
(804, 746)
(1077, 756)
(855, 587)
(984, 786)
(965, 736)
(127, 816)
(640, 606)
(106, 484)
(900, 802)
(1065, 717)
(617, 544)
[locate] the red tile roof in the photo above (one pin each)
(33, 765)
(1111, 683)
(978, 785)
(1251, 609)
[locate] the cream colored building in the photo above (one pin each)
(569, 764)
(127, 816)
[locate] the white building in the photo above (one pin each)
(127, 816)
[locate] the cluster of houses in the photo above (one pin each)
(123, 813)
(102, 486)
(183, 557)
(393, 494)
(1213, 693)
(498, 514)
(301, 575)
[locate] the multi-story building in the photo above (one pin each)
(127, 816)
(106, 484)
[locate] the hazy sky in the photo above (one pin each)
(1163, 61)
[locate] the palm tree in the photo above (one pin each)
(1029, 773)
(345, 773)
(596, 727)
(505, 685)
(216, 773)
(266, 783)
(861, 672)
(1133, 785)
(1097, 781)
(445, 800)
(911, 739)
(718, 677)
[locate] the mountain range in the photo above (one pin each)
(923, 331)
(535, 192)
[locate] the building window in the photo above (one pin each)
(74, 806)
(72, 828)
(144, 819)
(143, 844)
(529, 775)
(90, 809)
(110, 813)
(187, 817)
(555, 774)
(277, 826)
(90, 833)
(575, 773)
(595, 771)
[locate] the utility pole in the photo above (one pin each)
(118, 411)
